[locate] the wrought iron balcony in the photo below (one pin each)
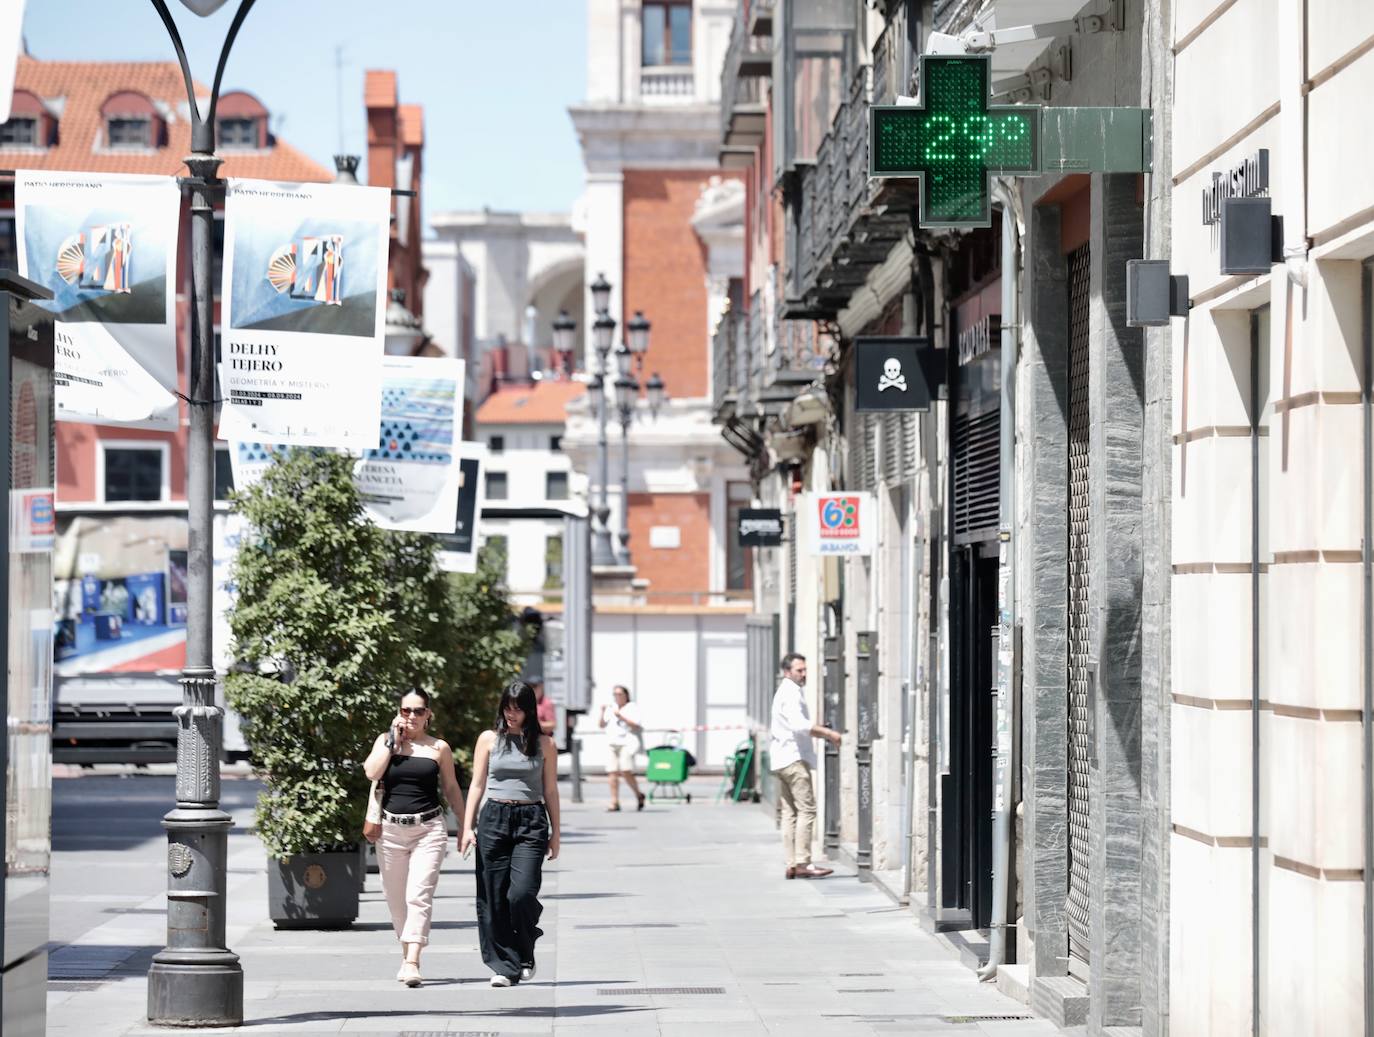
(840, 225)
(758, 17)
(748, 60)
(729, 366)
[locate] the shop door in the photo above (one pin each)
(1079, 632)
(968, 795)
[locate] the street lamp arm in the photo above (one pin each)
(161, 7)
(234, 26)
(202, 129)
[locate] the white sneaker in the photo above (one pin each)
(410, 975)
(500, 981)
(401, 973)
(527, 972)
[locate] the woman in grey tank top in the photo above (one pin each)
(515, 785)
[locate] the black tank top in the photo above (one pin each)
(410, 785)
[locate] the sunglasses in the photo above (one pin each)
(413, 711)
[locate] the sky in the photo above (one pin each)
(495, 78)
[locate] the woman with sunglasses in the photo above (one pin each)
(515, 782)
(411, 765)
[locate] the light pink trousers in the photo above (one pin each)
(409, 857)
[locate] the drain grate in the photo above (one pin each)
(629, 925)
(649, 991)
(860, 975)
(983, 1018)
(76, 986)
(865, 990)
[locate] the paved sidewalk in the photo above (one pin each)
(673, 921)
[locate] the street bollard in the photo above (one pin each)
(576, 774)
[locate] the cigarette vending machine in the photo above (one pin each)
(26, 441)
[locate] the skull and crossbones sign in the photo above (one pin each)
(892, 377)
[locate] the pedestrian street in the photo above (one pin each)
(676, 920)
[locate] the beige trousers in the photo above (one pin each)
(797, 802)
(409, 857)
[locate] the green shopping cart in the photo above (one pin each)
(669, 765)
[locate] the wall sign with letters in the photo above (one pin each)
(1247, 179)
(760, 527)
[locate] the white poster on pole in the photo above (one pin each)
(304, 305)
(106, 248)
(842, 523)
(458, 551)
(11, 43)
(410, 480)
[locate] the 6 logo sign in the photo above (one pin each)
(839, 517)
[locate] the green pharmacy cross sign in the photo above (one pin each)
(954, 141)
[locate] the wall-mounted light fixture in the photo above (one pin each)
(1153, 295)
(1251, 236)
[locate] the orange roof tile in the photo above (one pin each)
(379, 89)
(413, 125)
(78, 89)
(543, 403)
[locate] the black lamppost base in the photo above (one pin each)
(195, 989)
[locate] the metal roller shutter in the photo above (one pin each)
(976, 474)
(1079, 635)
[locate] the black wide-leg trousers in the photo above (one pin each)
(512, 841)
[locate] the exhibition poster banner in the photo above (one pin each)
(458, 550)
(410, 479)
(106, 247)
(303, 308)
(843, 523)
(248, 461)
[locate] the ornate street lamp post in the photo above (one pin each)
(603, 331)
(196, 980)
(626, 395)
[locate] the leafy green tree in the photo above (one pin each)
(334, 617)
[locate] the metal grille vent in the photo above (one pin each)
(655, 991)
(976, 474)
(1079, 652)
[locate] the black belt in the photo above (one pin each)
(412, 819)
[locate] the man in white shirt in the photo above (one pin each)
(792, 757)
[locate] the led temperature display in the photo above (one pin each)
(954, 141)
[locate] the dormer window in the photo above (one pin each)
(19, 132)
(129, 132)
(241, 122)
(31, 127)
(238, 132)
(132, 121)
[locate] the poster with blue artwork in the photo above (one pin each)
(304, 300)
(409, 480)
(105, 246)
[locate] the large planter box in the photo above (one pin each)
(314, 890)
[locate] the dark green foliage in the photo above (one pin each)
(335, 617)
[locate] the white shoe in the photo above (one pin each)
(527, 972)
(500, 981)
(410, 975)
(401, 973)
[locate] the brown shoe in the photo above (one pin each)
(791, 872)
(813, 871)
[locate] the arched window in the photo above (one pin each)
(241, 122)
(131, 121)
(31, 124)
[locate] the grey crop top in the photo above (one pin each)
(514, 776)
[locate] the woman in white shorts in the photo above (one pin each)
(622, 739)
